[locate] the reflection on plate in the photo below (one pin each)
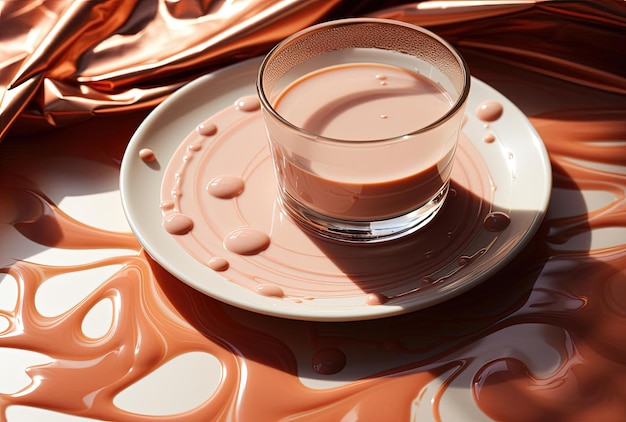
(502, 166)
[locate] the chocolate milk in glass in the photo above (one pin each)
(364, 102)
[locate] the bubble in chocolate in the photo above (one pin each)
(147, 155)
(207, 128)
(248, 104)
(246, 241)
(489, 111)
(328, 361)
(177, 223)
(218, 263)
(225, 186)
(496, 221)
(269, 290)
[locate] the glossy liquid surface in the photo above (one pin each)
(362, 101)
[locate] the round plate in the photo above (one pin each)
(516, 172)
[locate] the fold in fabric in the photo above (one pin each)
(63, 61)
(580, 42)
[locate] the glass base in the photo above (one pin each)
(363, 231)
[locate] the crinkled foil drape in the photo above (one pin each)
(63, 61)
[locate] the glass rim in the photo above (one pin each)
(456, 106)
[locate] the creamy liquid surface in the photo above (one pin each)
(362, 101)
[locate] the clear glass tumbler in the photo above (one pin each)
(363, 117)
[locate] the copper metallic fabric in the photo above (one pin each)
(63, 61)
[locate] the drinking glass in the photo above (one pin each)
(363, 117)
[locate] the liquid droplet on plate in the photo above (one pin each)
(270, 290)
(218, 264)
(147, 155)
(496, 221)
(207, 128)
(167, 205)
(246, 241)
(489, 111)
(194, 147)
(177, 223)
(248, 104)
(376, 299)
(225, 186)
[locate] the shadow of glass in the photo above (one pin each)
(448, 253)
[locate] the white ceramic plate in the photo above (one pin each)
(517, 163)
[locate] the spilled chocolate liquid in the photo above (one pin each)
(542, 340)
